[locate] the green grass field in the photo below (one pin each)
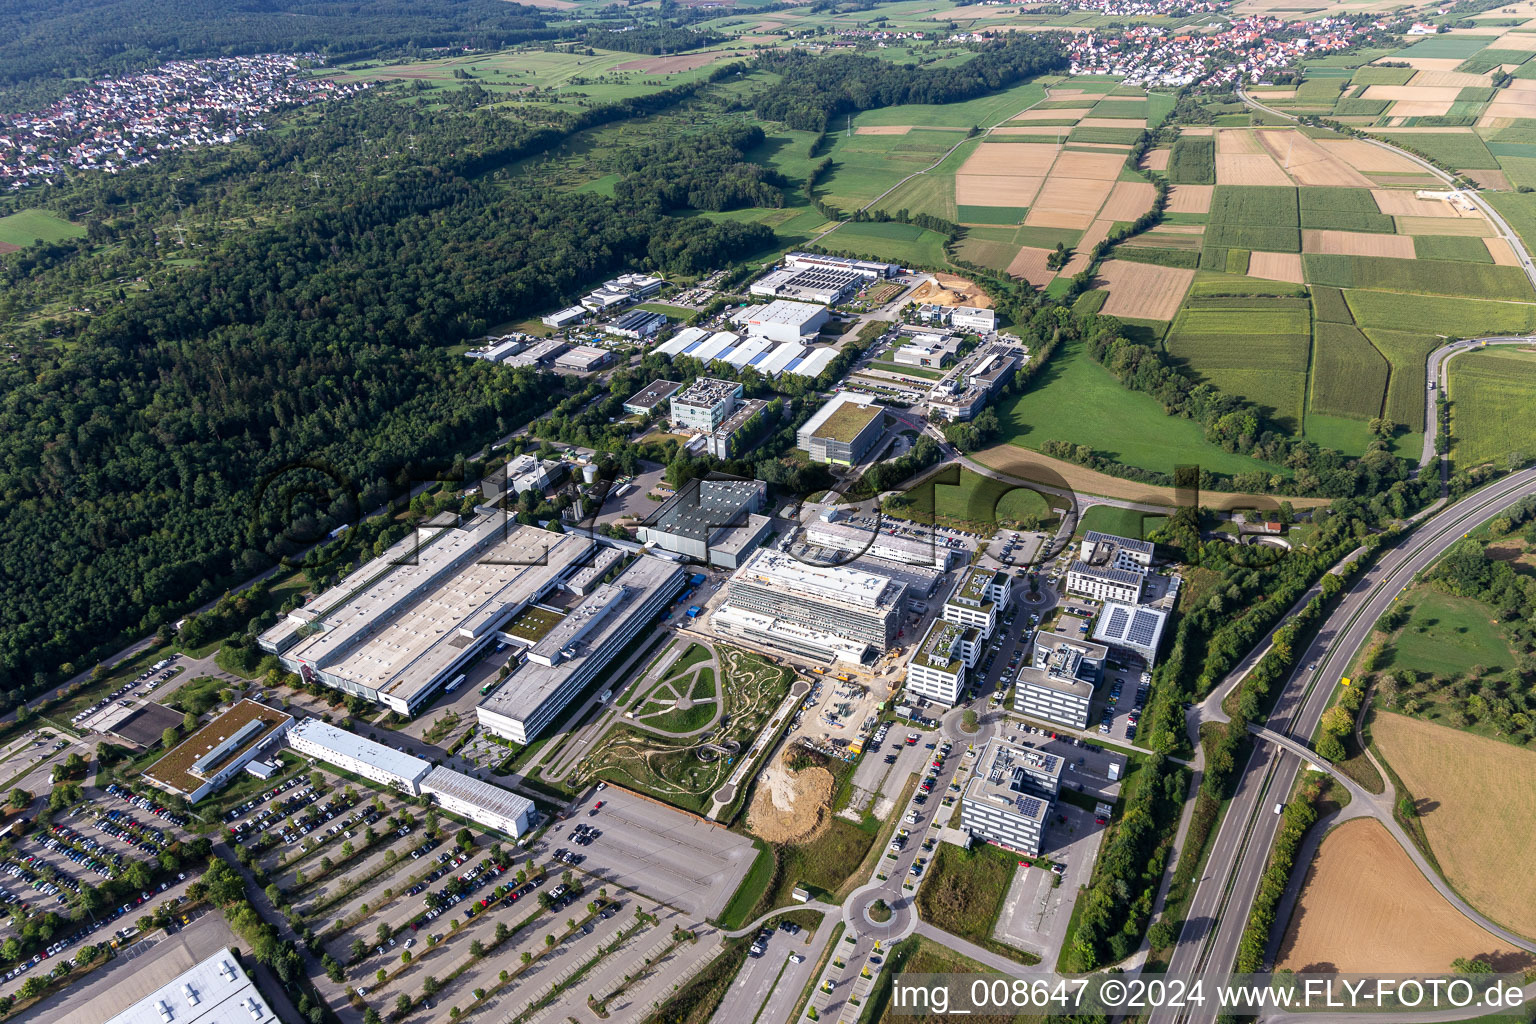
(28, 226)
(1454, 150)
(1193, 161)
(1254, 217)
(991, 214)
(984, 111)
(956, 496)
(906, 244)
(1408, 353)
(1451, 247)
(1211, 283)
(1349, 377)
(1343, 209)
(1420, 276)
(1438, 314)
(1121, 522)
(865, 166)
(1493, 393)
(1075, 399)
(1382, 76)
(1448, 635)
(996, 255)
(1328, 305)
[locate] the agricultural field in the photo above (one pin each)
(1256, 348)
(1254, 217)
(1492, 393)
(1364, 904)
(906, 244)
(1349, 375)
(22, 229)
(1458, 782)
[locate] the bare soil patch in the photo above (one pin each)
(1096, 233)
(1014, 159)
(1447, 80)
(791, 807)
(1249, 170)
(1029, 264)
(674, 63)
(1355, 243)
(1237, 142)
(1068, 202)
(996, 189)
(1276, 266)
(882, 129)
(1501, 252)
(1310, 164)
(1156, 159)
(1489, 178)
(1365, 907)
(1474, 227)
(1143, 289)
(1114, 122)
(1478, 823)
(1190, 198)
(1129, 200)
(1067, 114)
(1096, 166)
(1363, 156)
(949, 290)
(1401, 203)
(1413, 93)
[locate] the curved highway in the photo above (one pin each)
(1219, 911)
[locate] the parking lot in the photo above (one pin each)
(660, 852)
(1036, 910)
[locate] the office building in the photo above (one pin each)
(826, 285)
(1110, 568)
(704, 404)
(737, 429)
(921, 550)
(867, 269)
(214, 991)
(965, 390)
(565, 317)
(844, 430)
(561, 663)
(1058, 685)
(205, 761)
(398, 634)
(937, 668)
(350, 752)
(711, 521)
(622, 290)
(782, 320)
(972, 318)
(583, 359)
(926, 349)
(979, 599)
(645, 401)
(637, 323)
(862, 608)
(1007, 801)
(1133, 630)
(480, 802)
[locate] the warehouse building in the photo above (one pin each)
(1134, 630)
(565, 317)
(580, 646)
(584, 359)
(704, 404)
(540, 353)
(480, 802)
(1058, 685)
(350, 752)
(1110, 568)
(398, 636)
(745, 352)
(918, 551)
(813, 364)
(653, 394)
(713, 521)
(204, 762)
(843, 431)
(1008, 800)
(214, 991)
(870, 270)
(497, 349)
(781, 320)
(965, 390)
(637, 323)
(937, 668)
(836, 611)
(681, 342)
(979, 598)
(776, 362)
(826, 285)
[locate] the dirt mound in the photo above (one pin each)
(790, 807)
(949, 290)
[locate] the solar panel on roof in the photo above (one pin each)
(1029, 806)
(1143, 628)
(1116, 622)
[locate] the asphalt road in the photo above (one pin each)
(1219, 911)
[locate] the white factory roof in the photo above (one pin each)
(774, 362)
(837, 584)
(1130, 625)
(679, 342)
(472, 791)
(339, 741)
(747, 351)
(215, 991)
(813, 364)
(780, 311)
(717, 345)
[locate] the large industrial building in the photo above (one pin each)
(844, 430)
(645, 401)
(965, 390)
(1110, 568)
(832, 613)
(480, 802)
(579, 646)
(636, 324)
(215, 991)
(622, 290)
(397, 629)
(1058, 685)
(1134, 630)
(211, 756)
(782, 320)
(979, 598)
(868, 269)
(1008, 799)
(895, 547)
(713, 521)
(826, 285)
(583, 359)
(938, 666)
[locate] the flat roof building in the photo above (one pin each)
(565, 317)
(965, 390)
(868, 269)
(396, 640)
(583, 359)
(540, 353)
(1133, 629)
(973, 318)
(844, 430)
(853, 604)
(826, 285)
(924, 551)
(699, 520)
(480, 802)
(644, 402)
(1110, 568)
(351, 752)
(1008, 800)
(211, 756)
(979, 598)
(580, 646)
(637, 323)
(1058, 684)
(704, 404)
(214, 991)
(782, 320)
(937, 668)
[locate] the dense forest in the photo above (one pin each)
(813, 90)
(49, 42)
(702, 173)
(651, 39)
(152, 457)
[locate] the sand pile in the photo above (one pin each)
(790, 807)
